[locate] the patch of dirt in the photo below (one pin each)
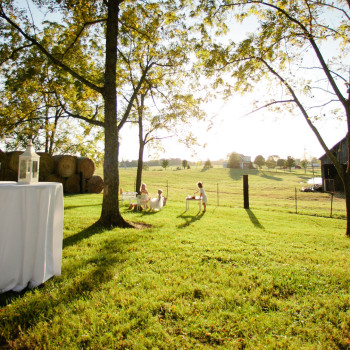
(140, 225)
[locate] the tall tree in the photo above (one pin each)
(290, 163)
(85, 47)
(259, 161)
(304, 164)
(271, 162)
(166, 100)
(281, 162)
(290, 47)
(234, 160)
(33, 106)
(79, 20)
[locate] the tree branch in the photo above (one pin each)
(304, 113)
(80, 33)
(314, 45)
(78, 116)
(133, 96)
(267, 105)
(308, 36)
(14, 52)
(49, 55)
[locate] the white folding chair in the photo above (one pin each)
(142, 199)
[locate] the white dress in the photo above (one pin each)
(156, 203)
(203, 195)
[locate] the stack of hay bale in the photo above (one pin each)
(75, 173)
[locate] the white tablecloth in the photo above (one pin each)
(31, 234)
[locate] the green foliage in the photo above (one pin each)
(207, 164)
(281, 162)
(271, 162)
(259, 161)
(227, 279)
(234, 160)
(185, 164)
(291, 55)
(165, 163)
(304, 164)
(290, 162)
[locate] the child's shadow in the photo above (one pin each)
(189, 219)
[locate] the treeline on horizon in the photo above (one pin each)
(172, 162)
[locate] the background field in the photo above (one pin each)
(263, 278)
(269, 190)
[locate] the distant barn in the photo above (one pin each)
(245, 161)
(330, 178)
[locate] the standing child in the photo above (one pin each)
(144, 195)
(202, 195)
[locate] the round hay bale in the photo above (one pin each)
(7, 174)
(13, 160)
(95, 184)
(72, 184)
(3, 164)
(55, 178)
(3, 159)
(46, 167)
(65, 165)
(86, 166)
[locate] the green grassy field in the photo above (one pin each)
(231, 278)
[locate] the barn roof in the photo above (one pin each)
(340, 150)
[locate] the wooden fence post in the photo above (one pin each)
(217, 191)
(246, 191)
(332, 203)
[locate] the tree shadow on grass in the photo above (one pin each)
(304, 177)
(79, 279)
(142, 212)
(270, 176)
(69, 207)
(254, 219)
(69, 241)
(149, 212)
(237, 174)
(86, 233)
(189, 219)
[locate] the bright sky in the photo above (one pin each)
(259, 133)
(262, 132)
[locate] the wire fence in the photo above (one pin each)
(277, 198)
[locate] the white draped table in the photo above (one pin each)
(31, 234)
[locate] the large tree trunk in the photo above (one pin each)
(346, 182)
(139, 167)
(110, 215)
(141, 149)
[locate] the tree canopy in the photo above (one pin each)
(81, 46)
(234, 160)
(300, 47)
(259, 161)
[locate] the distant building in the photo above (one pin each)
(243, 162)
(246, 161)
(330, 178)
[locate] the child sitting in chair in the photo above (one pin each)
(157, 203)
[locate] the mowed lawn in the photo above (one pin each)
(275, 276)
